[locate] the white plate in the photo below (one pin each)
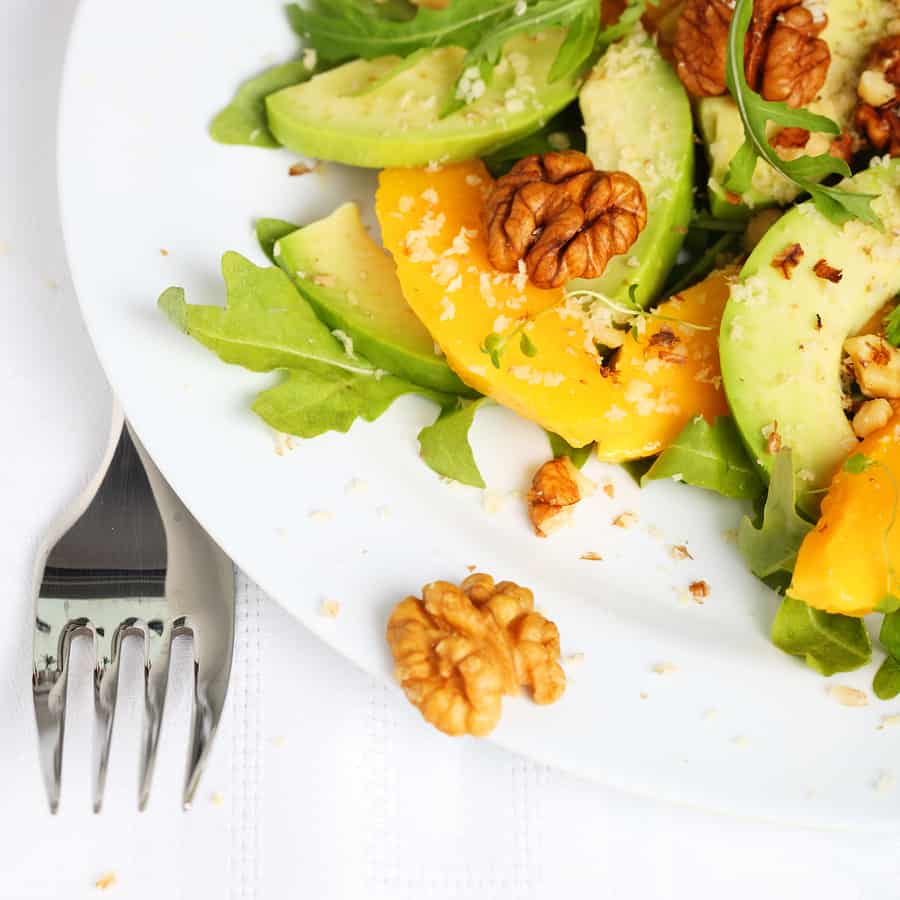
(738, 726)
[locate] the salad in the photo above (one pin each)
(668, 234)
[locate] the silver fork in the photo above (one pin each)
(131, 560)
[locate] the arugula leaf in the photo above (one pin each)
(711, 457)
(340, 29)
(637, 468)
(886, 683)
(829, 643)
(581, 18)
(244, 120)
(561, 447)
(269, 232)
(623, 26)
(771, 549)
(890, 634)
(835, 204)
(266, 324)
(444, 446)
(309, 403)
(892, 327)
(567, 123)
(888, 604)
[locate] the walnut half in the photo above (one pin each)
(561, 217)
(877, 116)
(555, 489)
(459, 650)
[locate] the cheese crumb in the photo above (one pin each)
(405, 203)
(331, 609)
(217, 798)
(665, 668)
(448, 310)
(888, 722)
(559, 140)
(492, 501)
(310, 58)
(321, 515)
(430, 195)
(848, 696)
(106, 881)
(473, 180)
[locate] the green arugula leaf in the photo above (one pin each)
(890, 634)
(340, 29)
(711, 457)
(269, 232)
(637, 468)
(829, 643)
(561, 447)
(581, 18)
(444, 446)
(886, 683)
(626, 23)
(888, 604)
(771, 548)
(564, 131)
(836, 204)
(266, 324)
(892, 327)
(308, 403)
(244, 120)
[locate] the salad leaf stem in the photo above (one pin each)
(804, 172)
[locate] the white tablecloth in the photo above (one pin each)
(323, 783)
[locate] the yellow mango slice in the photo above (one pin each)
(844, 563)
(431, 223)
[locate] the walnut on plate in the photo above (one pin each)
(784, 57)
(555, 489)
(459, 650)
(877, 116)
(561, 217)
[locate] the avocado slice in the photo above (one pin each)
(853, 26)
(781, 339)
(656, 147)
(351, 284)
(387, 111)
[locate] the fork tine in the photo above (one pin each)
(156, 680)
(211, 676)
(49, 687)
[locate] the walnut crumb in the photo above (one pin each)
(665, 668)
(699, 591)
(627, 519)
(301, 169)
(591, 555)
(163, 251)
(609, 489)
(829, 273)
(773, 437)
(471, 568)
(848, 696)
(643, 695)
(788, 260)
(888, 722)
(679, 551)
(106, 881)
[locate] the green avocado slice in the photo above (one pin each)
(852, 27)
(655, 145)
(781, 339)
(351, 284)
(387, 111)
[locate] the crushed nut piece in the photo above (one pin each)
(665, 668)
(871, 416)
(627, 519)
(788, 260)
(609, 489)
(699, 591)
(877, 116)
(773, 437)
(106, 881)
(562, 217)
(555, 489)
(593, 557)
(643, 695)
(888, 722)
(301, 169)
(679, 551)
(459, 650)
(876, 365)
(829, 273)
(796, 59)
(848, 696)
(331, 609)
(163, 251)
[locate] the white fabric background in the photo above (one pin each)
(323, 783)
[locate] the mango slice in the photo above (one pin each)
(430, 222)
(851, 560)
